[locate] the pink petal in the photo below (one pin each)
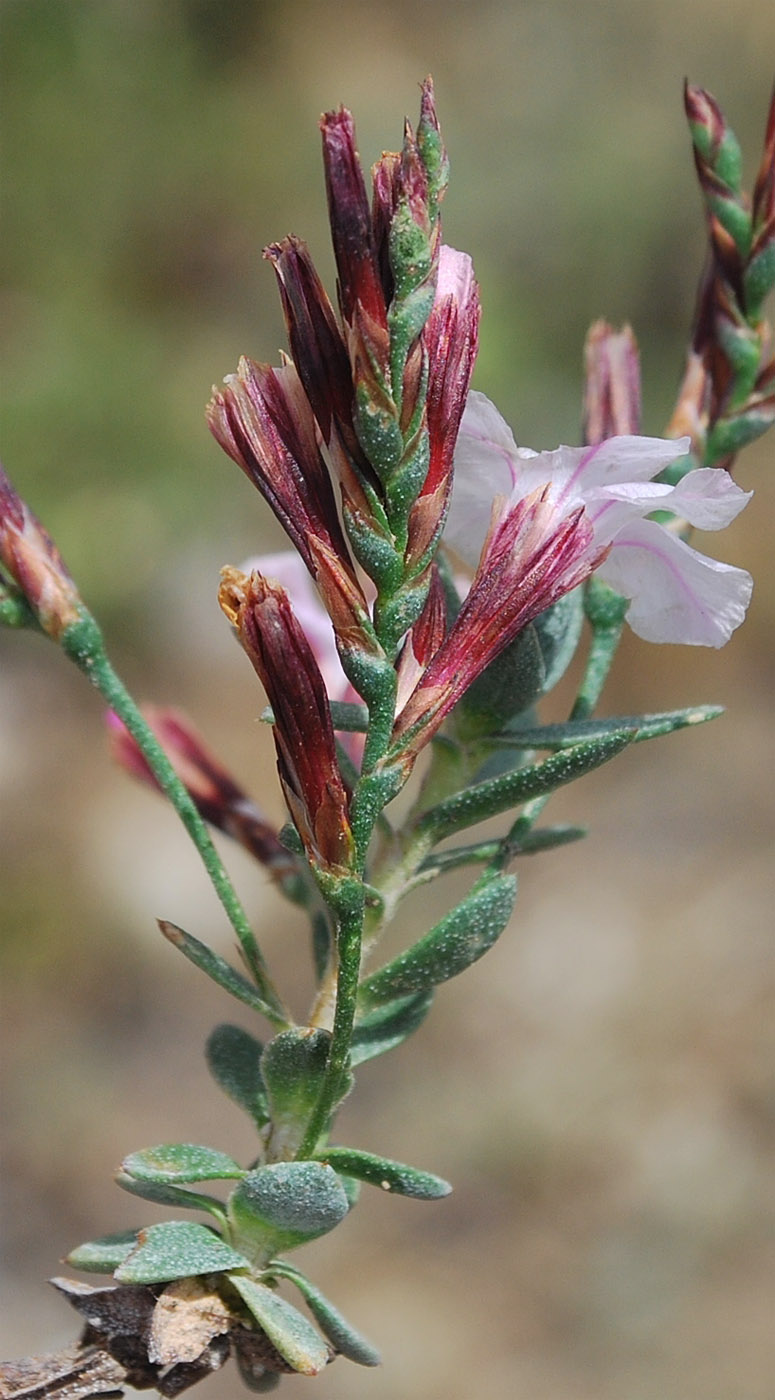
(455, 276)
(708, 498)
(678, 594)
(485, 464)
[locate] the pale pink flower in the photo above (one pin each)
(676, 593)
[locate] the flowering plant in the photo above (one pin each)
(438, 589)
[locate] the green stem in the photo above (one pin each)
(511, 842)
(605, 611)
(335, 1081)
(84, 644)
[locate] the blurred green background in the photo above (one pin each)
(600, 1088)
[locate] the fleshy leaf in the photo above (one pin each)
(292, 1068)
(287, 1329)
(284, 1204)
(351, 1188)
(388, 1026)
(163, 1193)
(181, 1161)
(177, 1249)
(342, 1336)
(104, 1255)
(234, 1060)
(389, 1175)
(456, 942)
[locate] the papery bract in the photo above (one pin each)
(304, 737)
(532, 556)
(451, 341)
(287, 568)
(676, 593)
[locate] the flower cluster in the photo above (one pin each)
(372, 424)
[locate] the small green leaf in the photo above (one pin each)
(542, 838)
(351, 1188)
(287, 1329)
(389, 1175)
(216, 968)
(759, 277)
(342, 1336)
(547, 838)
(15, 611)
(234, 1060)
(459, 940)
(104, 1255)
(177, 1249)
(566, 736)
(285, 1204)
(387, 1026)
(347, 718)
(488, 799)
(180, 1161)
(164, 1194)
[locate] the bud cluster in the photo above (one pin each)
(351, 441)
(727, 397)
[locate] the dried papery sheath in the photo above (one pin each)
(304, 736)
(451, 340)
(263, 419)
(531, 557)
(611, 383)
(317, 344)
(32, 561)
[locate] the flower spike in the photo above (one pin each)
(726, 399)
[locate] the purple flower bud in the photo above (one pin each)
(303, 732)
(31, 559)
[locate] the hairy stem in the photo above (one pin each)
(84, 645)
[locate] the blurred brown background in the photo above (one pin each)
(600, 1088)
